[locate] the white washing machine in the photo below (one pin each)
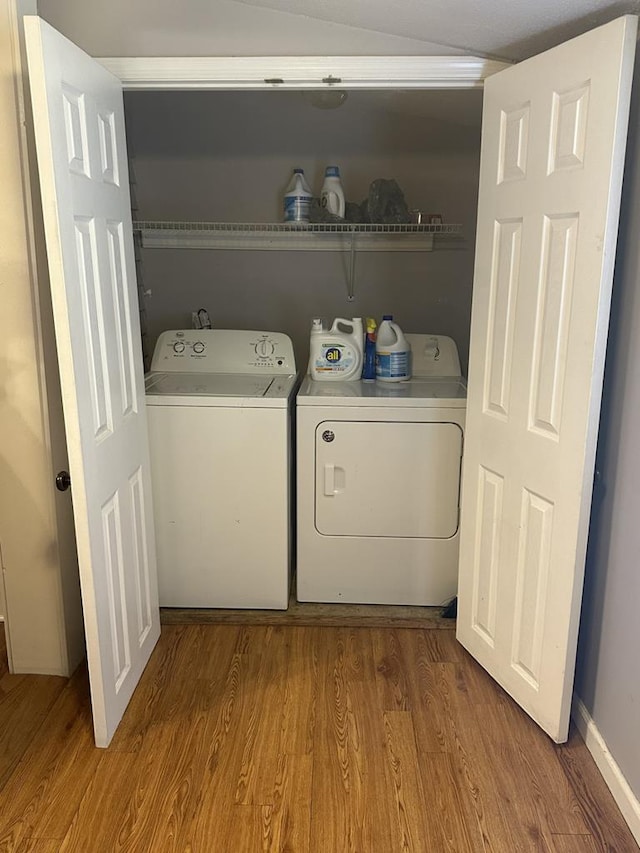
(378, 483)
(219, 412)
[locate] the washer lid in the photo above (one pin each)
(212, 389)
(449, 393)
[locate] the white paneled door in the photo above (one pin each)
(79, 123)
(553, 139)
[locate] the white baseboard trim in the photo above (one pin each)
(627, 801)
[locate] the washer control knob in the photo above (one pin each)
(198, 347)
(328, 435)
(264, 348)
(178, 346)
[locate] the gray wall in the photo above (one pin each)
(228, 156)
(608, 674)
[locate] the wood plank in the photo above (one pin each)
(143, 708)
(287, 823)
(257, 772)
(508, 772)
(444, 803)
(391, 670)
(44, 792)
(551, 791)
(337, 789)
(376, 776)
(348, 772)
(108, 813)
(574, 844)
(451, 705)
(602, 816)
(300, 691)
(418, 827)
(39, 845)
(226, 734)
(25, 702)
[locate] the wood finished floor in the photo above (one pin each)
(288, 738)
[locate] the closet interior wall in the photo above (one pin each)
(227, 156)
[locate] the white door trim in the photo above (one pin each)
(301, 72)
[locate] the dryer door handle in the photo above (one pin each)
(334, 479)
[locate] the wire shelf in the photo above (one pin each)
(346, 237)
(342, 228)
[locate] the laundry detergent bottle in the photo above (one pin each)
(393, 352)
(369, 364)
(336, 354)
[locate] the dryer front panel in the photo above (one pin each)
(387, 479)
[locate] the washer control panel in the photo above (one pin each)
(223, 351)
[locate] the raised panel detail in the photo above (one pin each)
(557, 271)
(514, 138)
(75, 125)
(94, 329)
(108, 149)
(120, 291)
(569, 129)
(114, 565)
(532, 573)
(487, 553)
(140, 556)
(505, 273)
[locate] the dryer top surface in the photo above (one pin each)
(418, 392)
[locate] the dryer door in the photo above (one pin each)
(387, 479)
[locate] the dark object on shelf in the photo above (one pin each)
(318, 213)
(386, 203)
(352, 212)
(451, 610)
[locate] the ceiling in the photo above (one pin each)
(503, 29)
(509, 29)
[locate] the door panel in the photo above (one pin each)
(79, 123)
(554, 130)
(387, 479)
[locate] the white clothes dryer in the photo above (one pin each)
(378, 483)
(219, 413)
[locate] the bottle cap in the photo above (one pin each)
(332, 172)
(387, 317)
(298, 171)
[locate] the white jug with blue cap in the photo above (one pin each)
(393, 352)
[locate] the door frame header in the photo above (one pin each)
(302, 72)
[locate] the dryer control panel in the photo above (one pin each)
(223, 351)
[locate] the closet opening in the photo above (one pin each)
(226, 157)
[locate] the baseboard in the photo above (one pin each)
(627, 801)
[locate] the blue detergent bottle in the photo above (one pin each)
(369, 365)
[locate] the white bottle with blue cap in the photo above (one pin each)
(297, 198)
(332, 194)
(393, 352)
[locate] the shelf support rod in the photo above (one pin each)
(351, 281)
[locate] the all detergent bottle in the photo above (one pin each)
(393, 352)
(335, 354)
